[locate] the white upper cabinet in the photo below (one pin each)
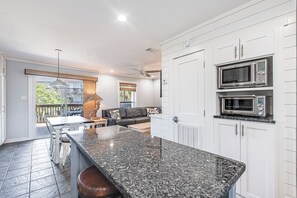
(250, 43)
(226, 51)
(257, 42)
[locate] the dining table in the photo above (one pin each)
(57, 123)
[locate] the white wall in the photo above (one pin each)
(17, 86)
(108, 89)
(281, 14)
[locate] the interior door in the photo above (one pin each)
(189, 98)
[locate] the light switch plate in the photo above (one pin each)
(24, 97)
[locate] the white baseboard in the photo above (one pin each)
(17, 140)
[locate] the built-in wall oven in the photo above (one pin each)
(246, 74)
(247, 105)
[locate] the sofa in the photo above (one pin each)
(129, 116)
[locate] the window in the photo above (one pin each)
(127, 95)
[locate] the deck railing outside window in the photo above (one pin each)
(53, 110)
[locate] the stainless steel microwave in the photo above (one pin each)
(246, 74)
(246, 105)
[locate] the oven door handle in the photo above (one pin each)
(238, 96)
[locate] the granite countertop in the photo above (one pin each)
(268, 119)
(142, 166)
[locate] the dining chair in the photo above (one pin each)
(64, 139)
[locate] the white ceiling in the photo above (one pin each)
(89, 34)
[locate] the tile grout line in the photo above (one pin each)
(6, 172)
(30, 171)
(52, 163)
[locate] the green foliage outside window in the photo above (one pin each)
(46, 95)
(125, 96)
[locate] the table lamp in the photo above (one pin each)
(97, 99)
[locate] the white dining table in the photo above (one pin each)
(57, 123)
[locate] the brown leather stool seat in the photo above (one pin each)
(93, 184)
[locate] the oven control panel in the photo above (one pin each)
(261, 105)
(261, 69)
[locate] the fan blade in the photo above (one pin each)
(136, 70)
(153, 71)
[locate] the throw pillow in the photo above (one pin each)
(152, 111)
(115, 114)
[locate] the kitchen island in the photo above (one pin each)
(142, 166)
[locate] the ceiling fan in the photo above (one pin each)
(145, 73)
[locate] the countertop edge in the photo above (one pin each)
(248, 119)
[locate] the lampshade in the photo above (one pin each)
(94, 97)
(58, 83)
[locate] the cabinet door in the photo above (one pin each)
(257, 41)
(227, 141)
(258, 153)
(226, 51)
(156, 127)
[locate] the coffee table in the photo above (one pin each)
(141, 127)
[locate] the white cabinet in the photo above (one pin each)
(156, 125)
(258, 153)
(2, 99)
(253, 144)
(226, 51)
(227, 141)
(251, 43)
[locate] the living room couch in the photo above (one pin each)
(129, 116)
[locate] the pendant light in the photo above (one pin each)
(58, 83)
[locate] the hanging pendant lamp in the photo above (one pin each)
(58, 83)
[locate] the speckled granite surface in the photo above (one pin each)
(141, 166)
(268, 119)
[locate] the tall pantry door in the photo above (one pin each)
(189, 99)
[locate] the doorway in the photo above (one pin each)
(47, 101)
(189, 109)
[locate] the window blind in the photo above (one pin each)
(127, 87)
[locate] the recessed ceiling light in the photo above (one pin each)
(111, 70)
(122, 18)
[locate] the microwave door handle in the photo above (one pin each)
(253, 72)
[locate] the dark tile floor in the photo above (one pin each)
(27, 171)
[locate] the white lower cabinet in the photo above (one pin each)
(252, 143)
(156, 125)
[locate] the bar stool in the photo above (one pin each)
(92, 183)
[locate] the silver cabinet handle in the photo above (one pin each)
(241, 50)
(242, 130)
(236, 131)
(235, 52)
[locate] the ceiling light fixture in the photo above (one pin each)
(58, 83)
(111, 70)
(122, 18)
